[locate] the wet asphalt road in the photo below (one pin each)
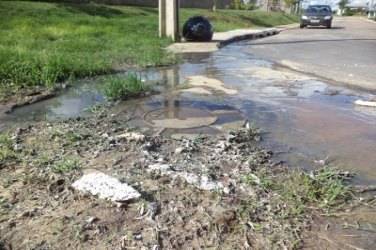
(345, 54)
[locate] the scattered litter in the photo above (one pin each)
(366, 103)
(201, 182)
(152, 211)
(106, 187)
(131, 136)
(91, 219)
(179, 150)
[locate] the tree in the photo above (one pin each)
(342, 5)
(238, 4)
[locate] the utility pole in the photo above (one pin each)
(169, 19)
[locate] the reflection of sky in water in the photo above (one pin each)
(70, 103)
(72, 106)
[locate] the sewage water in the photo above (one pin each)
(303, 119)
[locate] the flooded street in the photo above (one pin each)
(302, 118)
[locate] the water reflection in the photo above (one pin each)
(69, 103)
(301, 117)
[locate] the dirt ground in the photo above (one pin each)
(218, 192)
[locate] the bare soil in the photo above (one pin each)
(41, 210)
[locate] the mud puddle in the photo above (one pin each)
(303, 119)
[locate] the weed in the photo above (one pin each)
(65, 166)
(6, 148)
(110, 238)
(6, 142)
(200, 138)
(7, 154)
(3, 202)
(246, 133)
(117, 87)
(95, 108)
(257, 227)
(6, 180)
(43, 160)
(72, 138)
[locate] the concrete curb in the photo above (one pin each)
(248, 36)
(221, 39)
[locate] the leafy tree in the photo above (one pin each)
(244, 4)
(239, 4)
(342, 4)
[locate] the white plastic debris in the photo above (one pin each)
(106, 187)
(131, 136)
(201, 182)
(365, 103)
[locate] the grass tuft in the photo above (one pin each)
(65, 166)
(6, 148)
(117, 87)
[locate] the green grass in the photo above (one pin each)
(118, 87)
(225, 20)
(6, 148)
(44, 43)
(293, 197)
(325, 190)
(65, 166)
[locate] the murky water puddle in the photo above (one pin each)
(303, 119)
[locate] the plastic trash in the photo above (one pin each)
(198, 28)
(366, 103)
(106, 187)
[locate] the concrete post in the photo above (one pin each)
(169, 19)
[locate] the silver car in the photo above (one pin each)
(317, 15)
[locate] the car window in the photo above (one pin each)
(318, 9)
(311, 9)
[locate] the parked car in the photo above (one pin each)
(317, 15)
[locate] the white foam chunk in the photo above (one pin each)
(106, 187)
(365, 103)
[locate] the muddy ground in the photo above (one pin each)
(240, 198)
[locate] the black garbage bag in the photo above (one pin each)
(198, 28)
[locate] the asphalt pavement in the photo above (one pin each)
(344, 54)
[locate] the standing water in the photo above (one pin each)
(302, 118)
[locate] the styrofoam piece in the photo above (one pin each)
(365, 103)
(106, 187)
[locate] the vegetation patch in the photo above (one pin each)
(45, 43)
(6, 148)
(225, 20)
(118, 87)
(65, 166)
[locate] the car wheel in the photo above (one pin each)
(302, 26)
(328, 26)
